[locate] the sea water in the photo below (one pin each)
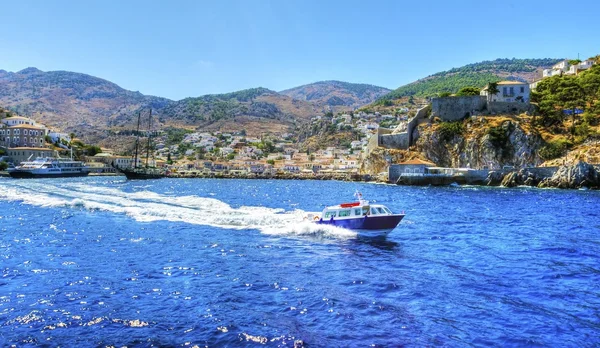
(100, 261)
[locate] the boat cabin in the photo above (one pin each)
(354, 210)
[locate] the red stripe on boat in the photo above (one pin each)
(348, 205)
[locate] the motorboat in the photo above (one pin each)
(360, 216)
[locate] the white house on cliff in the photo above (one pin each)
(509, 91)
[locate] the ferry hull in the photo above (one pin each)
(367, 225)
(30, 175)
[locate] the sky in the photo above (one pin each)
(178, 49)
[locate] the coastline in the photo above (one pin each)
(577, 176)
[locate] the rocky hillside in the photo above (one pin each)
(491, 142)
(91, 107)
(257, 110)
(337, 95)
(71, 101)
(476, 75)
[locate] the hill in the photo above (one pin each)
(337, 95)
(476, 74)
(257, 110)
(71, 101)
(93, 107)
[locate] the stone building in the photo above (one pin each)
(22, 135)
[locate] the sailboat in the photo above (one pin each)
(146, 172)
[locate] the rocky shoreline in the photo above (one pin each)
(580, 175)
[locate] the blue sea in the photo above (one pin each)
(100, 261)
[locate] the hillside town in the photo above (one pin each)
(210, 154)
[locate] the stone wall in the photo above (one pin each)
(508, 108)
(457, 108)
(402, 140)
(395, 141)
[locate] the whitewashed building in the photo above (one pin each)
(509, 91)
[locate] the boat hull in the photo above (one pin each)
(29, 175)
(367, 225)
(142, 175)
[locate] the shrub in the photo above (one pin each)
(590, 118)
(468, 91)
(498, 136)
(3, 165)
(449, 130)
(555, 149)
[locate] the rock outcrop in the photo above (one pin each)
(494, 178)
(522, 177)
(576, 176)
(476, 147)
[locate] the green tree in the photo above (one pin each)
(3, 165)
(492, 89)
(468, 91)
(92, 150)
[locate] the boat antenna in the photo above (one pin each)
(137, 140)
(149, 136)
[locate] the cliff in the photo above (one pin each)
(480, 142)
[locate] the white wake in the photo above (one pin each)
(146, 206)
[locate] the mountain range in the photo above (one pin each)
(92, 107)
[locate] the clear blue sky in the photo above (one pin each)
(177, 49)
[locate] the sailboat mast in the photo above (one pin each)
(149, 136)
(137, 141)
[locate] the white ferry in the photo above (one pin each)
(361, 216)
(49, 167)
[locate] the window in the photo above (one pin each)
(512, 90)
(365, 210)
(357, 212)
(522, 89)
(381, 211)
(504, 90)
(330, 214)
(373, 211)
(345, 213)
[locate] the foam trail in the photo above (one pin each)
(146, 206)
